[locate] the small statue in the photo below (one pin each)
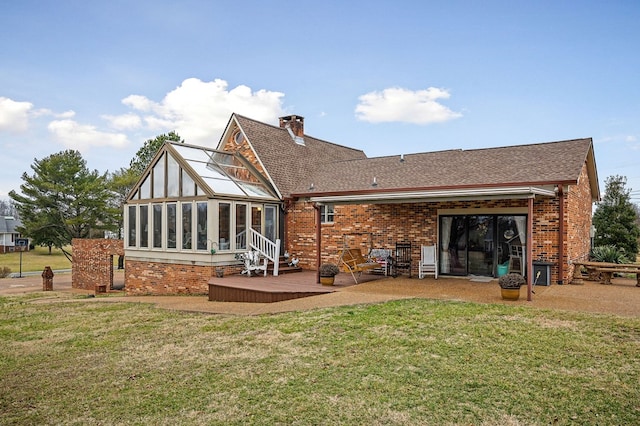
(294, 262)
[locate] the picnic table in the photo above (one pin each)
(603, 271)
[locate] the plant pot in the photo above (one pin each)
(219, 272)
(327, 280)
(510, 293)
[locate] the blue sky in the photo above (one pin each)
(389, 77)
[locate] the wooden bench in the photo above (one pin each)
(353, 261)
(608, 271)
(591, 267)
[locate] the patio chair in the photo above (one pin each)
(516, 259)
(353, 262)
(402, 260)
(428, 262)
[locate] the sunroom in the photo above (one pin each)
(198, 205)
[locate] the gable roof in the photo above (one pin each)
(8, 225)
(286, 162)
(544, 164)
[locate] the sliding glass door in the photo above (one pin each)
(486, 245)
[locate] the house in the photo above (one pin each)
(9, 234)
(196, 208)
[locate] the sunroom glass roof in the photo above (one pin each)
(223, 172)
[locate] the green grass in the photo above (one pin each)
(35, 260)
(405, 362)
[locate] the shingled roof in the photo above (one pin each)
(536, 164)
(317, 167)
(289, 164)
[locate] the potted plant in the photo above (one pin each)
(510, 286)
(328, 272)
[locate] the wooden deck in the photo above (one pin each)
(269, 289)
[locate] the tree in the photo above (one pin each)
(8, 208)
(615, 218)
(146, 153)
(63, 200)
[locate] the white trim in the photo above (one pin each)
(437, 195)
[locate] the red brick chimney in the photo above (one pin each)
(293, 122)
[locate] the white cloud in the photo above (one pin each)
(402, 105)
(198, 110)
(124, 121)
(14, 115)
(81, 137)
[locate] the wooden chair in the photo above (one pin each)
(354, 262)
(402, 260)
(428, 262)
(516, 259)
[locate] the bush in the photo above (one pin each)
(511, 281)
(609, 254)
(4, 271)
(328, 270)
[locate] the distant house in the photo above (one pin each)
(198, 207)
(8, 234)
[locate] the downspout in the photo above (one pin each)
(318, 245)
(561, 234)
(529, 265)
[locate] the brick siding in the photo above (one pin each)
(93, 262)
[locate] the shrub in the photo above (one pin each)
(609, 254)
(328, 270)
(511, 281)
(4, 271)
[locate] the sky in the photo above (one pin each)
(388, 77)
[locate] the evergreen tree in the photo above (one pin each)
(615, 218)
(146, 153)
(63, 200)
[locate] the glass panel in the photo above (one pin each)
(224, 226)
(270, 222)
(202, 226)
(157, 225)
(453, 241)
(145, 188)
(207, 170)
(158, 179)
(186, 226)
(256, 218)
(173, 177)
(189, 153)
(188, 186)
(132, 226)
(255, 190)
(144, 226)
(222, 186)
(171, 225)
(512, 244)
(481, 245)
(241, 226)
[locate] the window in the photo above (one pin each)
(188, 185)
(157, 225)
(173, 177)
(326, 213)
(202, 226)
(144, 226)
(132, 226)
(241, 226)
(171, 225)
(224, 225)
(186, 226)
(158, 179)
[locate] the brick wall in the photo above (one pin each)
(93, 262)
(417, 223)
(577, 222)
(144, 277)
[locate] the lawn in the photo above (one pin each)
(36, 260)
(404, 362)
